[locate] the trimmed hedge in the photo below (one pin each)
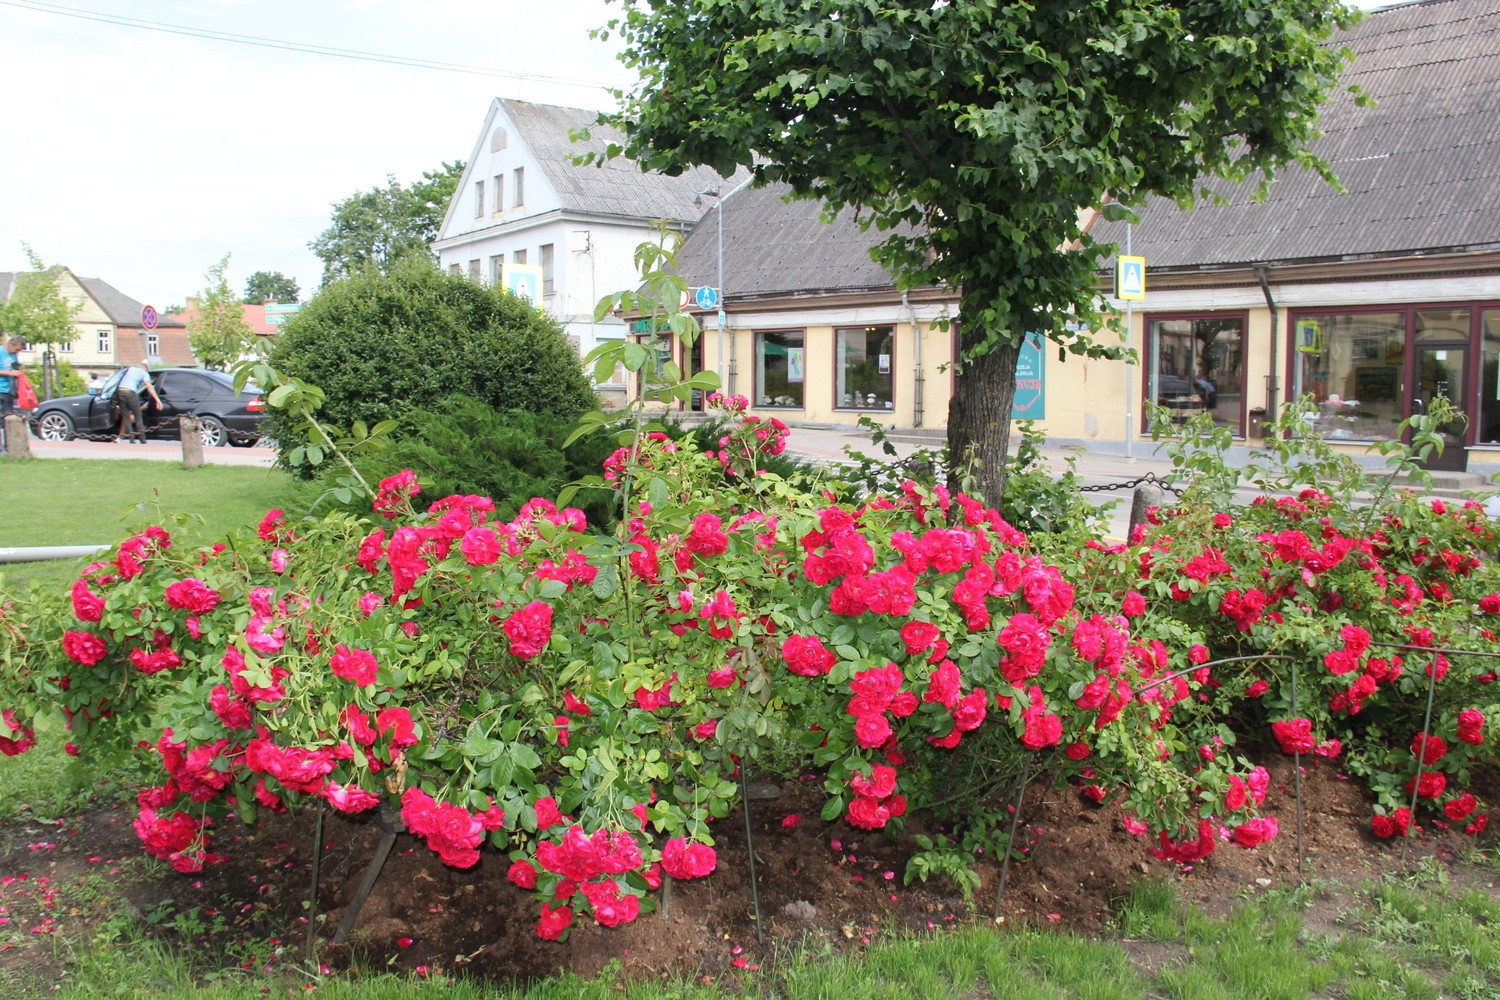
(381, 344)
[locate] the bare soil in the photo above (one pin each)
(823, 883)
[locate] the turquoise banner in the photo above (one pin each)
(1031, 381)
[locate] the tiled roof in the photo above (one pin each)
(1422, 167)
(121, 309)
(619, 187)
(773, 246)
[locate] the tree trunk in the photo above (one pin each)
(979, 420)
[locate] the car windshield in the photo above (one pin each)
(113, 380)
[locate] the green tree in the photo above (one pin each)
(976, 131)
(216, 327)
(383, 225)
(39, 313)
(380, 345)
(271, 285)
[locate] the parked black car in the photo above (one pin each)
(209, 396)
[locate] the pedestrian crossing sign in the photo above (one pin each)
(1130, 277)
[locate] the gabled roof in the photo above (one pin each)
(121, 309)
(773, 246)
(1422, 167)
(619, 187)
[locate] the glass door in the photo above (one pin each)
(1440, 373)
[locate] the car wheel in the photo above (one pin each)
(211, 431)
(54, 426)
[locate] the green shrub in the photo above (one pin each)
(69, 382)
(464, 447)
(379, 345)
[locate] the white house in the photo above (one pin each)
(522, 201)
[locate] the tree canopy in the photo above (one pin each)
(982, 129)
(271, 286)
(216, 327)
(37, 311)
(381, 226)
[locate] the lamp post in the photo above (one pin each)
(719, 204)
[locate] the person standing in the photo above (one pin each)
(95, 384)
(128, 394)
(10, 380)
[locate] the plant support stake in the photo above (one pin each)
(1416, 783)
(750, 852)
(1010, 843)
(312, 902)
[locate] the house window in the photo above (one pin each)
(103, 341)
(66, 347)
(153, 345)
(864, 376)
(498, 183)
(479, 199)
(518, 257)
(1487, 420)
(474, 270)
(518, 194)
(456, 269)
(1354, 366)
(780, 368)
(497, 267)
(1199, 367)
(545, 252)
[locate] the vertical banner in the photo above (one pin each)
(1031, 385)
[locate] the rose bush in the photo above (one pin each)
(586, 703)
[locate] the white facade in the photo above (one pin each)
(522, 201)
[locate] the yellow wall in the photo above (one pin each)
(818, 388)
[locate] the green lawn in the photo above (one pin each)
(84, 502)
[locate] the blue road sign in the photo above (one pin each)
(148, 317)
(707, 297)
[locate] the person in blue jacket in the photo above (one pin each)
(10, 371)
(128, 395)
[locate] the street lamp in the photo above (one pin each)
(719, 202)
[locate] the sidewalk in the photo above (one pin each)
(152, 451)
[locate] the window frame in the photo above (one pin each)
(758, 365)
(1149, 340)
(866, 328)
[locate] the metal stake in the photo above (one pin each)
(1297, 767)
(391, 821)
(750, 851)
(1010, 844)
(1416, 783)
(312, 902)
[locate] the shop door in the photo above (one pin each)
(1440, 375)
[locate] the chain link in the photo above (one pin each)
(1149, 477)
(232, 436)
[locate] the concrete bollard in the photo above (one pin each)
(1146, 496)
(17, 437)
(192, 441)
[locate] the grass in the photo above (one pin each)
(1414, 937)
(86, 502)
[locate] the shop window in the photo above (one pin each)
(1353, 365)
(780, 368)
(864, 373)
(1487, 420)
(1200, 368)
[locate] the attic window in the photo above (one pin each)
(497, 140)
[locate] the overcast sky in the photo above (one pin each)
(141, 157)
